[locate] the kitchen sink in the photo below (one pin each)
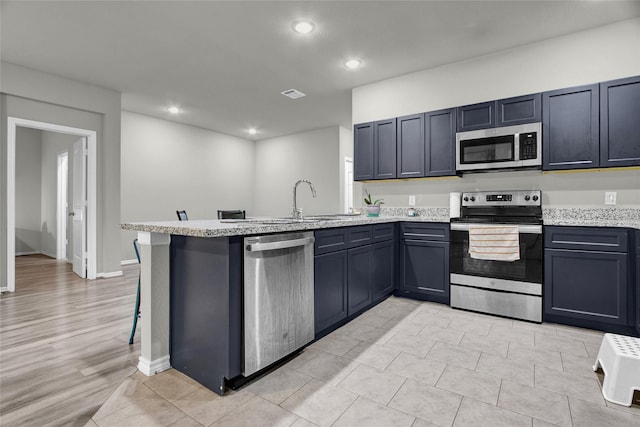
(275, 221)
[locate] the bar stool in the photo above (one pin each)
(136, 312)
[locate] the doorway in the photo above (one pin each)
(88, 215)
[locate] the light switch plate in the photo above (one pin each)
(412, 200)
(610, 198)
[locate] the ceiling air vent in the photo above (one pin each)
(293, 93)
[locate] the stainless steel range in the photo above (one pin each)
(496, 254)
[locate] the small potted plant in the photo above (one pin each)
(373, 206)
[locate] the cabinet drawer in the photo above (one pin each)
(425, 231)
(330, 240)
(638, 245)
(359, 235)
(383, 232)
(586, 238)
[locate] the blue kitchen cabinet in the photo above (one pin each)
(384, 155)
(477, 116)
(440, 143)
(519, 110)
(382, 264)
(359, 280)
(586, 278)
(424, 261)
(330, 291)
(637, 310)
(570, 128)
(410, 146)
(619, 113)
(363, 151)
(502, 112)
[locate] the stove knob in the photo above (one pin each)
(473, 199)
(527, 197)
(535, 198)
(466, 199)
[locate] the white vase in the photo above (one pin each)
(373, 210)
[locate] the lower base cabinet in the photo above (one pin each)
(588, 275)
(424, 262)
(330, 292)
(348, 281)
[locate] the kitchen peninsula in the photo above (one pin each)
(206, 255)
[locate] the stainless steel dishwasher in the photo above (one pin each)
(278, 297)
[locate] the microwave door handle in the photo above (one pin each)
(516, 147)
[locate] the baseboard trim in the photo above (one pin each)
(110, 274)
(54, 256)
(4, 289)
(27, 253)
(153, 367)
(128, 261)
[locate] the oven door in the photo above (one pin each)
(527, 269)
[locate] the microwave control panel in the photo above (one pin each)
(528, 145)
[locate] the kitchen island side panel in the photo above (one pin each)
(206, 309)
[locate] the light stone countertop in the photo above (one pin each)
(588, 217)
(227, 228)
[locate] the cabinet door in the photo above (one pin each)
(384, 155)
(424, 269)
(638, 287)
(382, 260)
(477, 116)
(440, 143)
(411, 146)
(519, 110)
(330, 289)
(619, 113)
(359, 282)
(586, 285)
(570, 128)
(363, 151)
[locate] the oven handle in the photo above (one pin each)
(522, 229)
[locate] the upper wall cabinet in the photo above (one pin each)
(592, 126)
(619, 114)
(375, 150)
(503, 112)
(384, 143)
(570, 128)
(411, 146)
(363, 150)
(519, 110)
(440, 142)
(477, 116)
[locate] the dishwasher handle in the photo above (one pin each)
(271, 246)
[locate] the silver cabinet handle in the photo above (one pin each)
(270, 246)
(528, 229)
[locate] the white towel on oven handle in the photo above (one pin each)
(494, 242)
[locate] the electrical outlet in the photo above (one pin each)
(412, 200)
(610, 198)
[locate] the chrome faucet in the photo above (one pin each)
(297, 213)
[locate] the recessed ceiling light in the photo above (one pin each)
(252, 131)
(353, 64)
(173, 110)
(303, 27)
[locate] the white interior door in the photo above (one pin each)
(79, 211)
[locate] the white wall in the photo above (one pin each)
(28, 184)
(43, 97)
(168, 166)
(281, 161)
(600, 54)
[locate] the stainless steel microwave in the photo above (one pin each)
(508, 147)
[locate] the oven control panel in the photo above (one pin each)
(502, 198)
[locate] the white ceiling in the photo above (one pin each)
(225, 63)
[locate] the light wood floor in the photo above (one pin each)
(63, 342)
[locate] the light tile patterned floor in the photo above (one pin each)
(403, 363)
